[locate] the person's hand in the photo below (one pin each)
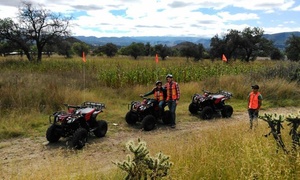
(177, 102)
(141, 95)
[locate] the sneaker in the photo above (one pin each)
(173, 126)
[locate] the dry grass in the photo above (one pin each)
(218, 149)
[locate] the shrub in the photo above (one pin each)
(142, 166)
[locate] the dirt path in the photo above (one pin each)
(32, 154)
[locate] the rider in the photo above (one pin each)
(160, 95)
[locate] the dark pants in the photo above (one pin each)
(172, 107)
(161, 105)
(253, 115)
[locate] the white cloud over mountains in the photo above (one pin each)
(203, 18)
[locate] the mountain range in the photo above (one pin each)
(279, 40)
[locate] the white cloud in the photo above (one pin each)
(168, 17)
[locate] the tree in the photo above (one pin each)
(245, 45)
(293, 48)
(148, 49)
(276, 54)
(109, 49)
(251, 40)
(37, 26)
(217, 47)
(162, 50)
(189, 49)
(135, 49)
(79, 47)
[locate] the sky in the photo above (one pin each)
(190, 18)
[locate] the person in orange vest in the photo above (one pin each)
(160, 95)
(254, 103)
(173, 96)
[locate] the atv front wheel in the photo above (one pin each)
(227, 111)
(101, 128)
(148, 123)
(207, 113)
(167, 117)
(193, 108)
(131, 118)
(51, 134)
(80, 138)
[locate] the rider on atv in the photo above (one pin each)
(160, 95)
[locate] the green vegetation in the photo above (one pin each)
(31, 92)
(142, 165)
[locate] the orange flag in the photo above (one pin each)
(224, 58)
(156, 58)
(83, 56)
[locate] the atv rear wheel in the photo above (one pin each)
(51, 134)
(193, 108)
(227, 111)
(131, 118)
(148, 123)
(80, 138)
(207, 113)
(167, 117)
(101, 128)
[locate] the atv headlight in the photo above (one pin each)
(134, 107)
(195, 99)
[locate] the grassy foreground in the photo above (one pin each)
(30, 92)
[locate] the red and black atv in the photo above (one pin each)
(78, 122)
(147, 113)
(210, 104)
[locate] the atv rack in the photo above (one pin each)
(96, 105)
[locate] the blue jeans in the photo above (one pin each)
(172, 107)
(161, 107)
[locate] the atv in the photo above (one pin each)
(209, 104)
(147, 114)
(78, 122)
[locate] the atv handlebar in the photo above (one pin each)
(95, 105)
(225, 93)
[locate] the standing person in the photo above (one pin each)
(173, 96)
(159, 95)
(254, 104)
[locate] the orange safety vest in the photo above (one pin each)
(171, 91)
(253, 100)
(158, 95)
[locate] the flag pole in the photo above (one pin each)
(84, 61)
(156, 68)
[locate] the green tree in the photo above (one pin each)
(162, 50)
(109, 49)
(79, 47)
(135, 49)
(252, 41)
(217, 47)
(189, 49)
(276, 54)
(246, 45)
(293, 48)
(36, 26)
(148, 49)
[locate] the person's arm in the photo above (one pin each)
(248, 99)
(259, 101)
(148, 93)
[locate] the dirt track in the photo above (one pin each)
(31, 154)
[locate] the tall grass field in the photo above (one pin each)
(30, 92)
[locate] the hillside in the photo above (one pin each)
(279, 40)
